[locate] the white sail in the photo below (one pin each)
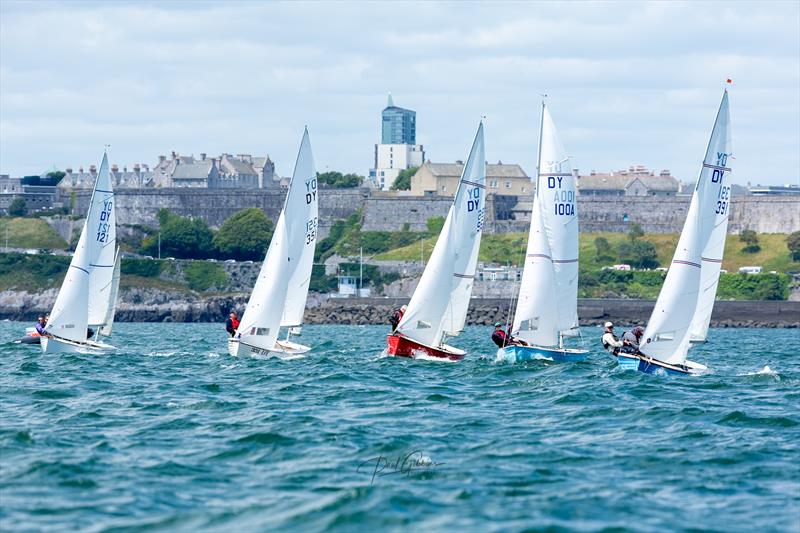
(108, 323)
(668, 331)
(711, 264)
(535, 320)
(301, 220)
(286, 257)
(70, 316)
(439, 304)
(103, 216)
(556, 190)
(548, 297)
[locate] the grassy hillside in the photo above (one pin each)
(510, 248)
(30, 233)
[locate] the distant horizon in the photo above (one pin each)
(628, 83)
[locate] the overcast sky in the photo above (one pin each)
(628, 83)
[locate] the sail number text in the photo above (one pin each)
(724, 193)
(474, 204)
(105, 217)
(563, 200)
(311, 190)
(311, 230)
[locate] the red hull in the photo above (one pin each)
(404, 347)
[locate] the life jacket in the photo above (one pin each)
(610, 349)
(500, 338)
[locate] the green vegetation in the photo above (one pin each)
(146, 268)
(793, 244)
(30, 233)
(181, 237)
(403, 180)
(337, 180)
(18, 207)
(753, 287)
(32, 272)
(201, 276)
(750, 238)
(245, 235)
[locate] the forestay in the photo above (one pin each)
(439, 304)
(282, 286)
(668, 331)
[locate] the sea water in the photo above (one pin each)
(172, 434)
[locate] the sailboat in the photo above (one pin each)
(438, 307)
(279, 296)
(693, 274)
(85, 298)
(547, 308)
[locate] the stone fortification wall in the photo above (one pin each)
(140, 206)
(382, 212)
(654, 214)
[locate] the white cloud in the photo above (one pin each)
(628, 82)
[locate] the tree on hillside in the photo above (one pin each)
(18, 207)
(403, 180)
(181, 237)
(793, 243)
(435, 225)
(337, 180)
(750, 238)
(245, 235)
(638, 254)
(635, 232)
(604, 251)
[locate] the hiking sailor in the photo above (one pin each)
(610, 341)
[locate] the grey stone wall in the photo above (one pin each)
(383, 212)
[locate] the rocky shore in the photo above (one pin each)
(153, 305)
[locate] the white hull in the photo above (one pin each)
(58, 345)
(282, 349)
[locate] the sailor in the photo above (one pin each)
(632, 339)
(503, 339)
(40, 324)
(232, 324)
(397, 317)
(610, 341)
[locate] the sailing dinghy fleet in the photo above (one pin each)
(546, 311)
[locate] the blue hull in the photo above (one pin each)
(515, 354)
(649, 367)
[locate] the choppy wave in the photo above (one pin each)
(171, 433)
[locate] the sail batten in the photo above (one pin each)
(438, 306)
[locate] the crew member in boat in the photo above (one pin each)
(610, 341)
(632, 339)
(503, 339)
(397, 316)
(40, 325)
(232, 324)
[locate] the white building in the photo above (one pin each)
(398, 150)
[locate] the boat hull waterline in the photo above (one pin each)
(282, 349)
(654, 366)
(59, 345)
(517, 354)
(401, 346)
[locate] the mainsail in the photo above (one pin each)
(669, 330)
(548, 299)
(108, 323)
(439, 304)
(280, 292)
(78, 303)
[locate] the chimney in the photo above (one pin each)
(459, 162)
(114, 168)
(92, 169)
(202, 156)
(69, 170)
(80, 169)
(162, 158)
(146, 167)
(499, 162)
(174, 154)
